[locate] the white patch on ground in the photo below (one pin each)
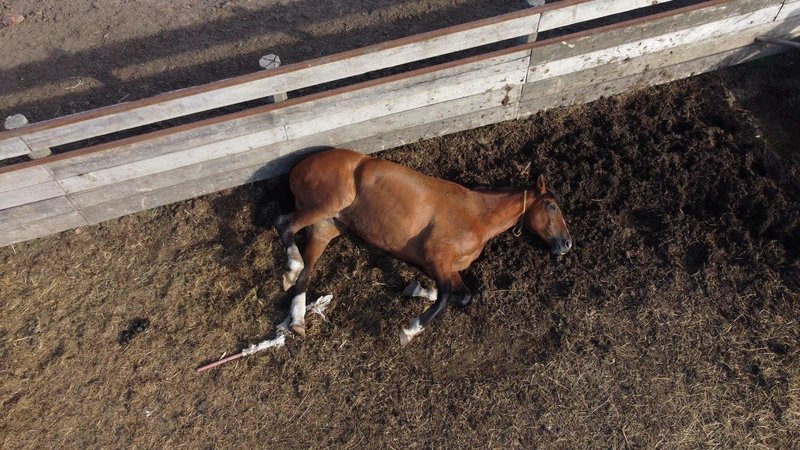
(406, 334)
(319, 306)
(282, 330)
(416, 290)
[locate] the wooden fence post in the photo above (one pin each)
(531, 37)
(268, 62)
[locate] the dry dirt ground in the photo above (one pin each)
(673, 323)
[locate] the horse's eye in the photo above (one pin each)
(552, 207)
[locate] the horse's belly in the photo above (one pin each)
(399, 231)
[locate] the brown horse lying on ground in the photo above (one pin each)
(437, 225)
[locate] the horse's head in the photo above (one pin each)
(544, 218)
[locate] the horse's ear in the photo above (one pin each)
(540, 184)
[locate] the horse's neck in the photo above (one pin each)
(502, 210)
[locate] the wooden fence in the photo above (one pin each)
(101, 182)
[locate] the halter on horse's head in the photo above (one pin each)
(543, 217)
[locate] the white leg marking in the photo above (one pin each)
(294, 266)
(318, 307)
(299, 309)
(406, 334)
(416, 290)
(294, 260)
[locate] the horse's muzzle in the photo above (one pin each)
(561, 246)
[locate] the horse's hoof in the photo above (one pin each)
(288, 280)
(463, 301)
(298, 329)
(405, 338)
(412, 289)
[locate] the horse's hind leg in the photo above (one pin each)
(319, 235)
(288, 225)
(415, 289)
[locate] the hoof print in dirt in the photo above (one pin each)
(135, 327)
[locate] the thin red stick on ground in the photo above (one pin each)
(220, 362)
(281, 332)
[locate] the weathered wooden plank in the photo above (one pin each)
(653, 44)
(616, 35)
(435, 129)
(172, 160)
(326, 117)
(31, 212)
(263, 155)
(23, 178)
(531, 104)
(30, 194)
(655, 60)
(12, 147)
(583, 12)
(790, 9)
(41, 228)
(257, 119)
(170, 194)
(159, 143)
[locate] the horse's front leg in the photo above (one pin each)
(461, 295)
(444, 287)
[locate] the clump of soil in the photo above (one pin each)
(673, 322)
(138, 325)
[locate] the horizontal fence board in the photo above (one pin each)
(31, 212)
(263, 155)
(30, 194)
(790, 9)
(655, 60)
(17, 179)
(315, 120)
(172, 194)
(438, 128)
(40, 228)
(582, 12)
(653, 44)
(585, 43)
(531, 104)
(173, 160)
(159, 143)
(12, 147)
(252, 121)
